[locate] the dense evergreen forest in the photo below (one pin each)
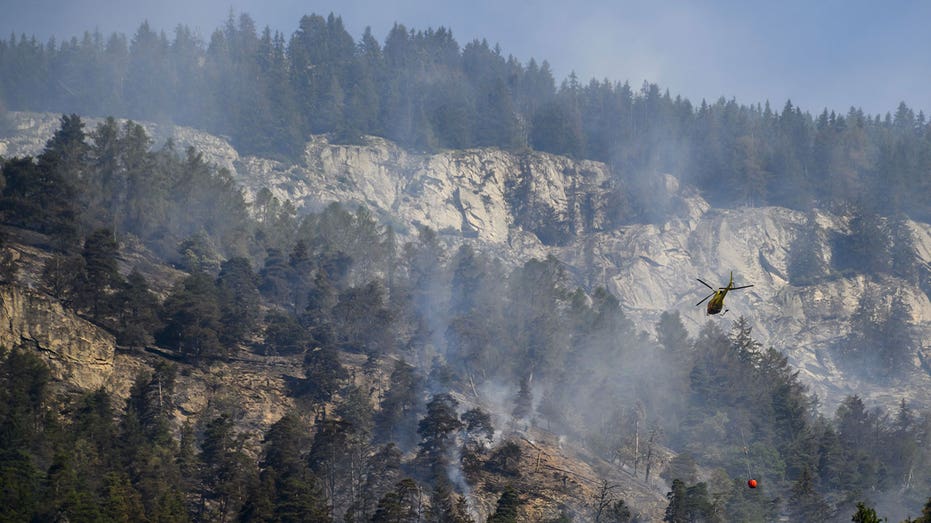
(268, 92)
(259, 279)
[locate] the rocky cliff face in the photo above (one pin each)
(533, 204)
(77, 351)
(654, 268)
(487, 194)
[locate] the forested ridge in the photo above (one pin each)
(261, 280)
(269, 91)
(258, 279)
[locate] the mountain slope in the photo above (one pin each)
(524, 205)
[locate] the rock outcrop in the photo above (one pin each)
(530, 204)
(654, 268)
(488, 194)
(77, 351)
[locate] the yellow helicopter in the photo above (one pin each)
(717, 296)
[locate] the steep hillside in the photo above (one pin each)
(526, 205)
(555, 476)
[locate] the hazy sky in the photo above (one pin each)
(833, 54)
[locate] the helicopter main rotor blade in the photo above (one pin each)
(703, 299)
(741, 287)
(705, 284)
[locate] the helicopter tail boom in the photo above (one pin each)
(703, 299)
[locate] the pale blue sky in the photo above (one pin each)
(833, 54)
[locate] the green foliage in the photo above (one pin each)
(100, 278)
(268, 93)
(866, 249)
(437, 431)
(672, 334)
(401, 505)
(383, 472)
(537, 291)
(238, 296)
(334, 280)
(751, 505)
(446, 505)
(363, 319)
(805, 262)
(38, 196)
(286, 488)
(226, 467)
(19, 485)
(880, 344)
(191, 314)
(356, 410)
(284, 335)
(149, 407)
(323, 373)
(122, 502)
(23, 398)
(400, 406)
(683, 467)
(805, 502)
(507, 507)
(523, 402)
(136, 311)
(925, 514)
(477, 424)
(866, 514)
(506, 459)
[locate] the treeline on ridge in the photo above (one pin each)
(268, 92)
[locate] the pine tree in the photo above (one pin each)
(40, 196)
(121, 501)
(239, 299)
(805, 503)
(683, 466)
(672, 334)
(21, 486)
(925, 513)
(401, 505)
(192, 319)
(478, 426)
(226, 470)
(331, 459)
(150, 405)
(382, 473)
(284, 335)
(137, 311)
(437, 432)
(323, 373)
(400, 406)
(866, 514)
(446, 506)
(903, 257)
(286, 489)
(687, 504)
(101, 277)
(507, 508)
(274, 276)
(523, 402)
(147, 449)
(93, 422)
(805, 263)
(26, 379)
